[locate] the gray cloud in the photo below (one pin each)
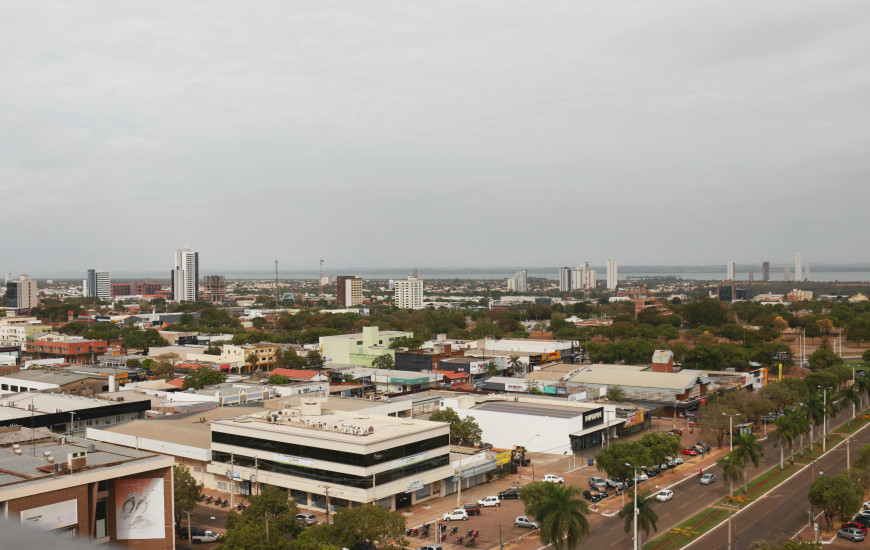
(395, 133)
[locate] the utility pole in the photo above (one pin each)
(635, 505)
(326, 493)
(731, 433)
(189, 538)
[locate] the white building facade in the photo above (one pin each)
(185, 276)
(612, 276)
(409, 293)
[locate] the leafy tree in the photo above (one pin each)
(866, 356)
(661, 445)
(612, 459)
(277, 380)
(213, 350)
(561, 512)
(463, 431)
(248, 530)
(164, 364)
(186, 489)
(384, 361)
(712, 422)
(288, 358)
(366, 524)
(746, 450)
(318, 537)
(706, 311)
(615, 393)
(823, 358)
(143, 339)
(252, 359)
(314, 358)
(646, 515)
(203, 377)
(409, 342)
(837, 497)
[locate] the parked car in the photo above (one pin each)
(670, 462)
(489, 501)
(862, 519)
(472, 509)
(856, 525)
(665, 495)
(456, 515)
(513, 492)
(707, 479)
(551, 478)
(194, 531)
(652, 471)
(663, 466)
(642, 476)
(207, 536)
(675, 432)
(678, 460)
(597, 482)
(593, 495)
(702, 447)
(851, 533)
(690, 451)
(616, 483)
(307, 519)
(529, 523)
(430, 547)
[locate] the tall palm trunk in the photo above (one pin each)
(781, 457)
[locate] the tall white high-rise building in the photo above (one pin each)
(806, 271)
(612, 277)
(565, 279)
(409, 294)
(729, 267)
(185, 276)
(798, 264)
(104, 284)
(522, 283)
(583, 278)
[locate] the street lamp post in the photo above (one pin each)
(635, 503)
(731, 428)
(825, 417)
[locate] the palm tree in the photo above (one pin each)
(515, 363)
(815, 409)
(802, 426)
(732, 470)
(562, 513)
(746, 450)
(851, 394)
(863, 384)
(784, 434)
(646, 515)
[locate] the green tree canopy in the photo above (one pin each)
(186, 490)
(203, 377)
(837, 497)
(463, 431)
(615, 393)
(561, 512)
(277, 380)
(384, 361)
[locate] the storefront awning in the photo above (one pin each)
(475, 470)
(598, 427)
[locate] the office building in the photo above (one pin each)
(612, 277)
(765, 271)
(103, 284)
(143, 289)
(8, 278)
(214, 289)
(185, 276)
(798, 265)
(807, 271)
(72, 349)
(409, 293)
(21, 293)
(751, 275)
(729, 269)
(360, 348)
(565, 279)
(345, 457)
(522, 282)
(349, 291)
(89, 285)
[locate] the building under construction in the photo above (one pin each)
(214, 289)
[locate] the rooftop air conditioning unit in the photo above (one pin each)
(29, 406)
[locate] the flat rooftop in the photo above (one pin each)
(533, 409)
(14, 405)
(382, 428)
(46, 376)
(182, 429)
(25, 467)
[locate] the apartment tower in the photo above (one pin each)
(565, 279)
(522, 284)
(798, 265)
(729, 268)
(409, 294)
(349, 291)
(765, 271)
(185, 276)
(612, 277)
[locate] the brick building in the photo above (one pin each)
(72, 349)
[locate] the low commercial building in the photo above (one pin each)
(389, 381)
(361, 348)
(64, 413)
(35, 380)
(539, 423)
(72, 349)
(84, 489)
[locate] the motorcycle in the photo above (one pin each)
(453, 530)
(241, 506)
(472, 539)
(225, 503)
(208, 499)
(460, 539)
(424, 532)
(218, 501)
(412, 532)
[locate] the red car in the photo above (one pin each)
(856, 525)
(675, 432)
(690, 451)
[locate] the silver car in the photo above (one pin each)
(708, 479)
(852, 533)
(528, 523)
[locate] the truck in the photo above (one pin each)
(208, 536)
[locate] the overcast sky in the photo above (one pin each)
(467, 133)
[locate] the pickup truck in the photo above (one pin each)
(208, 536)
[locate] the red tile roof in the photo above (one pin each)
(177, 382)
(452, 375)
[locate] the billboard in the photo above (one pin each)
(52, 516)
(634, 418)
(139, 510)
(502, 458)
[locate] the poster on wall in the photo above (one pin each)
(52, 516)
(139, 509)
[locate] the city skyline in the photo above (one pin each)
(251, 140)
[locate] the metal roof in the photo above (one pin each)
(529, 409)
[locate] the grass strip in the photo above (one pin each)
(688, 530)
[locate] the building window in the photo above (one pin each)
(197, 469)
(222, 485)
(5, 386)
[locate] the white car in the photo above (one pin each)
(665, 495)
(528, 523)
(456, 515)
(678, 460)
(489, 501)
(208, 536)
(641, 477)
(550, 478)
